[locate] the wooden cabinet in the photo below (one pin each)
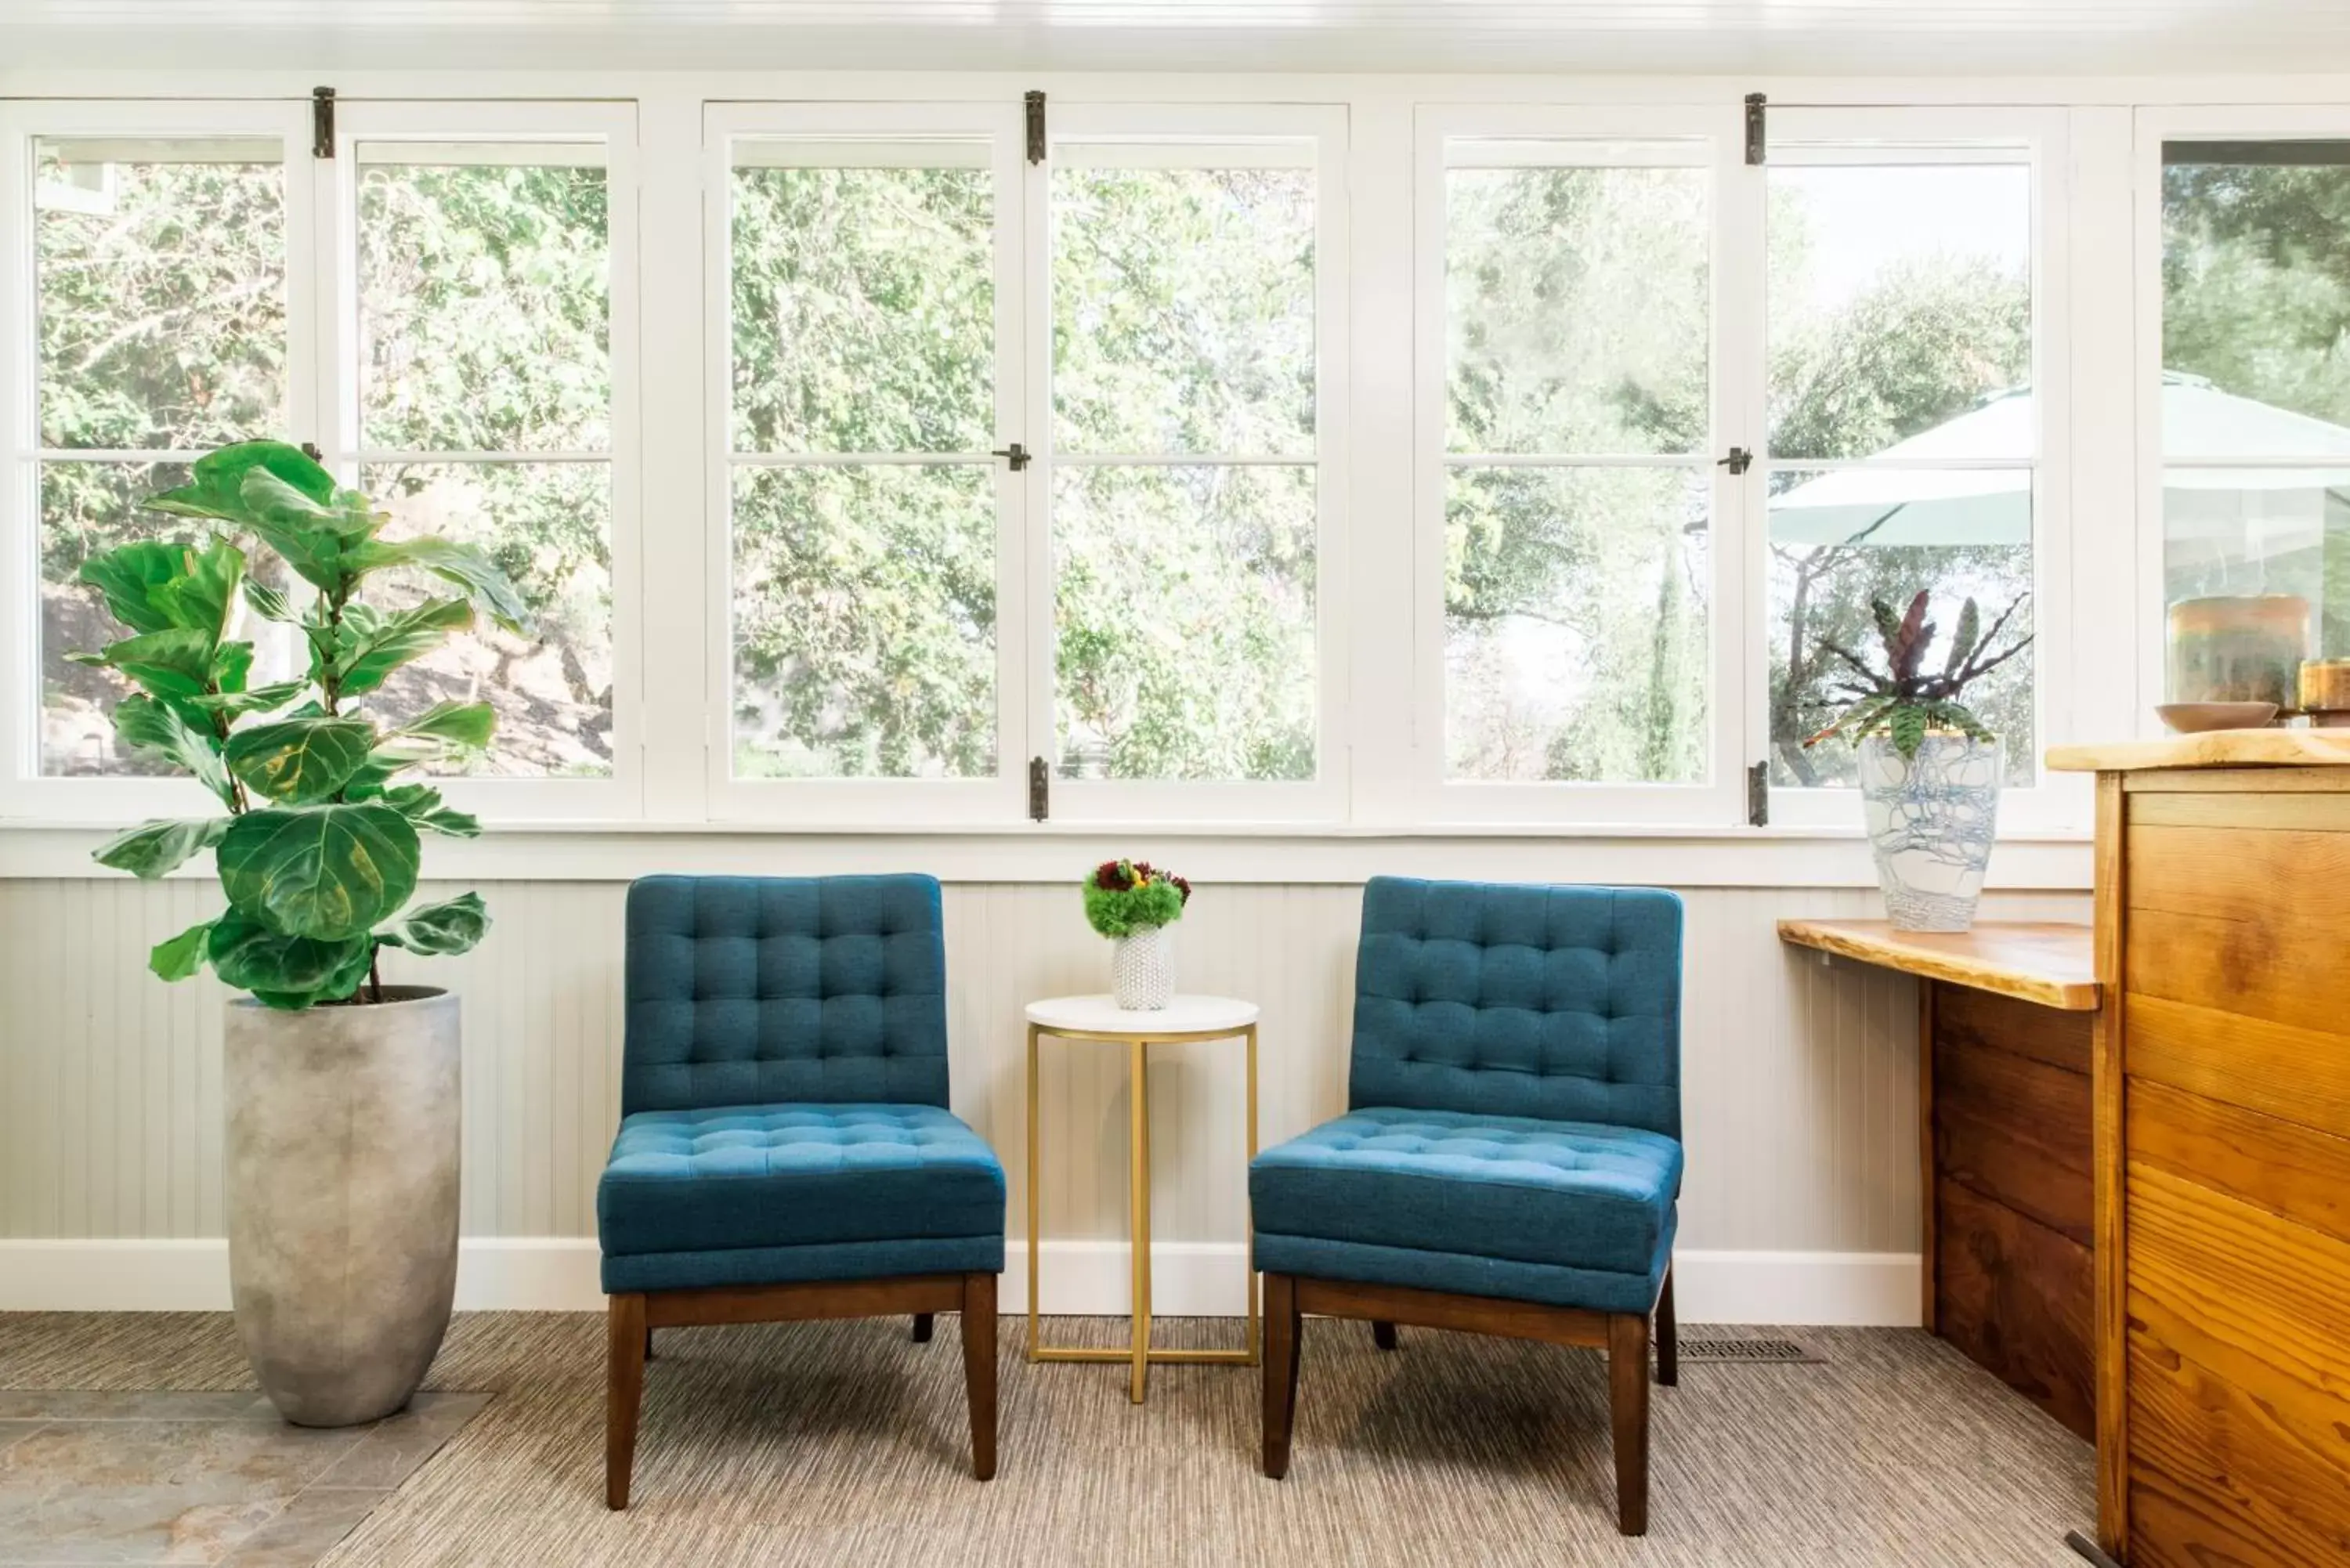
(2221, 1080)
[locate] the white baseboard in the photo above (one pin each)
(1189, 1279)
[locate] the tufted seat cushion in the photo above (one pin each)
(774, 1193)
(1568, 1213)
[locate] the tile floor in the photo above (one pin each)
(89, 1477)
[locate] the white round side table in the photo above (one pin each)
(1184, 1021)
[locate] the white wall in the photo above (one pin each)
(1801, 1092)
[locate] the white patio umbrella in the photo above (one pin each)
(1922, 505)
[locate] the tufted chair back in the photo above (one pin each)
(1496, 1000)
(746, 991)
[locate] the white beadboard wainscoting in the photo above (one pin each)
(1801, 1093)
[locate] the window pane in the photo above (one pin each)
(88, 508)
(1576, 310)
(2255, 298)
(1576, 625)
(864, 606)
(1183, 311)
(1899, 303)
(2241, 533)
(549, 525)
(160, 284)
(485, 305)
(864, 303)
(1184, 613)
(1844, 537)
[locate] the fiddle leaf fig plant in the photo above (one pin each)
(318, 850)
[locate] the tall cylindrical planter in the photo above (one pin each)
(1931, 819)
(1142, 969)
(342, 1197)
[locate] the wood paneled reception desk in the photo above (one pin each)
(2004, 1134)
(2222, 1083)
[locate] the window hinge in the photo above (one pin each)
(1758, 795)
(1016, 454)
(1035, 102)
(1740, 460)
(322, 122)
(1756, 109)
(1040, 790)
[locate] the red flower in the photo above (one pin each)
(1181, 885)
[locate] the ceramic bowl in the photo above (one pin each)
(2194, 718)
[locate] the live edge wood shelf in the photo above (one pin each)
(2221, 1082)
(2005, 1142)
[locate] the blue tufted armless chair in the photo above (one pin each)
(1510, 1153)
(785, 1150)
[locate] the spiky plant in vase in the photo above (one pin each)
(1133, 902)
(1930, 768)
(341, 1091)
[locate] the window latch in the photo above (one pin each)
(1016, 454)
(322, 122)
(1758, 795)
(1740, 460)
(1040, 789)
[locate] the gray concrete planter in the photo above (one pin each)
(342, 1197)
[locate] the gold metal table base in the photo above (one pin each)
(1142, 1352)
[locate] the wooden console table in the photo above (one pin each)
(2223, 1162)
(2004, 1143)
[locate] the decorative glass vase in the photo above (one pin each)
(1142, 969)
(1931, 819)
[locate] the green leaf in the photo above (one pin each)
(441, 930)
(465, 724)
(158, 727)
(1907, 725)
(232, 662)
(297, 528)
(346, 515)
(1962, 641)
(300, 760)
(266, 602)
(217, 485)
(420, 803)
(180, 956)
(467, 565)
(130, 575)
(175, 664)
(325, 871)
(157, 848)
(286, 971)
(202, 595)
(373, 645)
(234, 705)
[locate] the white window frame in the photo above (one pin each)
(2155, 125)
(446, 124)
(1170, 131)
(2038, 139)
(865, 802)
(24, 792)
(1712, 135)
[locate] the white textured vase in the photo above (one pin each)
(342, 1197)
(1142, 969)
(1931, 819)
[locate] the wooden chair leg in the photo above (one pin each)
(648, 1344)
(1281, 1325)
(623, 1394)
(978, 1367)
(1628, 1389)
(1383, 1333)
(922, 1328)
(1669, 1366)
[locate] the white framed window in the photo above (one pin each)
(2243, 395)
(867, 601)
(1186, 355)
(1579, 374)
(444, 308)
(155, 301)
(481, 296)
(1913, 432)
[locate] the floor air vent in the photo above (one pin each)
(1779, 1352)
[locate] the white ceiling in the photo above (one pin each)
(1776, 36)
